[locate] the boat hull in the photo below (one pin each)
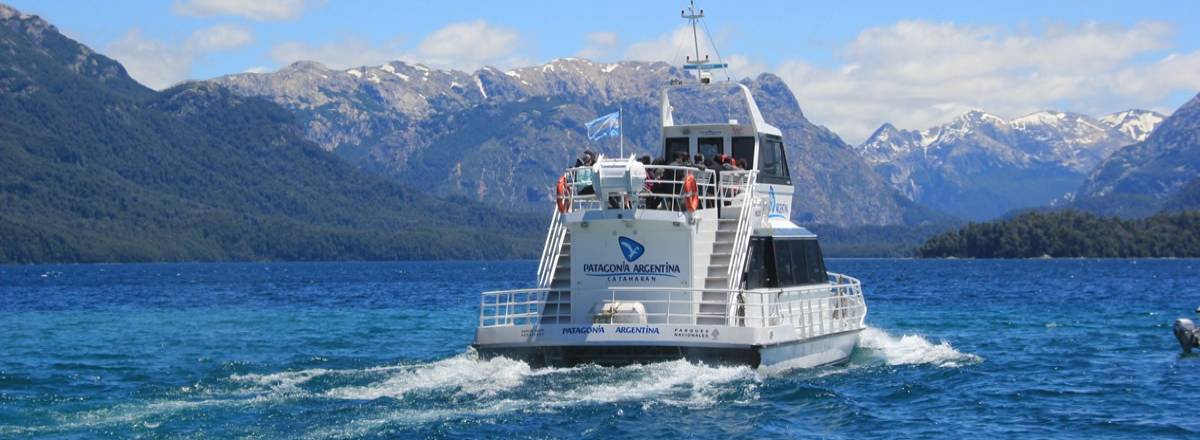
(802, 353)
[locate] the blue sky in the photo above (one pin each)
(852, 65)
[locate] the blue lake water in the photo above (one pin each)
(1024, 349)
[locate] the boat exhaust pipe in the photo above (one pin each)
(1187, 334)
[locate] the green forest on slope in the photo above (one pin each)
(1072, 234)
(97, 168)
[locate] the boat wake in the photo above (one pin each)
(912, 350)
(464, 387)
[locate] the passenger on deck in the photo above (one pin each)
(727, 164)
(742, 165)
(583, 174)
(675, 178)
(657, 187)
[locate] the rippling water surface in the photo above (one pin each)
(1029, 349)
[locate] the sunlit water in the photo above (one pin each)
(1029, 349)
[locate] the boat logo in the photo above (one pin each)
(631, 249)
(776, 210)
(628, 270)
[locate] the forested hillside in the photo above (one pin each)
(98, 168)
(1067, 234)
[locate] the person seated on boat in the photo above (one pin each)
(674, 178)
(584, 173)
(742, 165)
(702, 177)
(647, 186)
(654, 181)
(727, 164)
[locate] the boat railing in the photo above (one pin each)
(813, 310)
(741, 238)
(524, 307)
(663, 189)
(551, 250)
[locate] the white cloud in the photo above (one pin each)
(917, 74)
(252, 9)
(159, 65)
(464, 46)
(149, 61)
(671, 47)
(678, 45)
(599, 45)
(469, 46)
(219, 38)
(741, 66)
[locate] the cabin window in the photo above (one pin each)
(675, 146)
(710, 147)
(761, 266)
(743, 149)
(772, 164)
(787, 262)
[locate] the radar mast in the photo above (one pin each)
(700, 66)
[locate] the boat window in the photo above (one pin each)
(710, 147)
(761, 267)
(784, 262)
(772, 165)
(816, 262)
(676, 145)
(743, 148)
(799, 262)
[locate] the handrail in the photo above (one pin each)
(551, 250)
(741, 238)
(813, 310)
(663, 188)
(524, 307)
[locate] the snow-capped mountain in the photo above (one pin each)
(1160, 172)
(503, 136)
(980, 165)
(1137, 124)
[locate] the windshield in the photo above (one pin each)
(708, 104)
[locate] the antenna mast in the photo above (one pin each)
(700, 66)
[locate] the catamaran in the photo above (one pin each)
(647, 263)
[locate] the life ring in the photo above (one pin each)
(564, 199)
(691, 195)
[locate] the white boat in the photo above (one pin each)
(646, 263)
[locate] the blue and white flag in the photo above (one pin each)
(604, 126)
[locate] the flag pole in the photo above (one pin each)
(621, 128)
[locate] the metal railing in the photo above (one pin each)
(524, 307)
(741, 239)
(663, 188)
(551, 251)
(813, 310)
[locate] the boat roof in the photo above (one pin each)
(726, 103)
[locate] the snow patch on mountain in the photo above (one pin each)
(1137, 124)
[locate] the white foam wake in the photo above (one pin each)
(913, 349)
(465, 374)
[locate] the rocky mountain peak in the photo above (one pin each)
(1139, 178)
(1136, 123)
(979, 156)
(503, 136)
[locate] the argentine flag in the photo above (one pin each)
(604, 126)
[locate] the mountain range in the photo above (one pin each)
(1162, 172)
(980, 166)
(503, 137)
(97, 167)
(406, 161)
